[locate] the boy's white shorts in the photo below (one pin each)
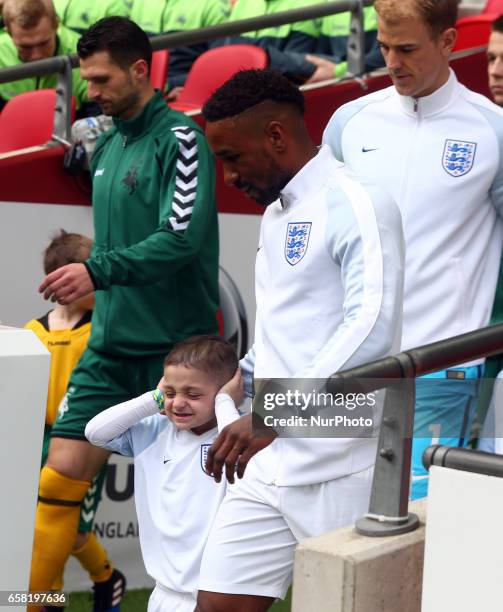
(166, 600)
(251, 545)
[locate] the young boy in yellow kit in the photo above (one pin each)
(65, 332)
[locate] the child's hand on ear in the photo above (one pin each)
(235, 388)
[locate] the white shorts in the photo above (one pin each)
(251, 546)
(166, 600)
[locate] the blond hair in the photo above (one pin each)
(28, 13)
(438, 15)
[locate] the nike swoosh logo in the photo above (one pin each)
(166, 461)
(364, 150)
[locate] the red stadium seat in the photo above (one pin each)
(213, 68)
(494, 7)
(159, 69)
(27, 119)
(473, 31)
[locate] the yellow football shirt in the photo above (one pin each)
(66, 346)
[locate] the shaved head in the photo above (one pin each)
(248, 89)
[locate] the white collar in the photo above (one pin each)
(434, 103)
(308, 179)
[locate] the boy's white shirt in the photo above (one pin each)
(176, 501)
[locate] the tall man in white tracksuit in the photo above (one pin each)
(329, 279)
(437, 148)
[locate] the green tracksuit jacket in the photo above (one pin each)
(154, 261)
(66, 44)
(79, 15)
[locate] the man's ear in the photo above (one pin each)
(140, 69)
(275, 133)
(449, 37)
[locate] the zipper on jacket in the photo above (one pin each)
(404, 182)
(124, 142)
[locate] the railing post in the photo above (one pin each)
(356, 42)
(389, 501)
(62, 126)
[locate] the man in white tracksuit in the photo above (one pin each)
(437, 148)
(329, 278)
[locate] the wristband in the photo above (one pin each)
(158, 396)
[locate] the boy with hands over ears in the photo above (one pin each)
(168, 431)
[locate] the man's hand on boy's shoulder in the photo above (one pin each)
(235, 388)
(236, 445)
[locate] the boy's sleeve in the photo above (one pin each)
(111, 429)
(122, 444)
(225, 410)
(187, 212)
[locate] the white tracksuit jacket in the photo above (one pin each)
(441, 159)
(329, 283)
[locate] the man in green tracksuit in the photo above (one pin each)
(79, 15)
(162, 16)
(154, 267)
(32, 32)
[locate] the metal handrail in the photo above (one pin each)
(388, 509)
(428, 358)
(464, 459)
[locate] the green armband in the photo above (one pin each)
(158, 396)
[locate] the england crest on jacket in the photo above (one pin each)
(297, 241)
(458, 157)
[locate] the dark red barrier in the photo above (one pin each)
(39, 177)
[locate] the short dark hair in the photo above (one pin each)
(66, 248)
(497, 25)
(211, 354)
(248, 88)
(122, 38)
